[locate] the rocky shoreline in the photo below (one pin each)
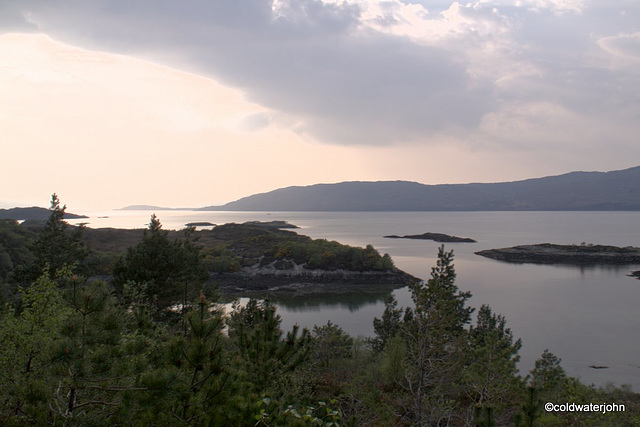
(547, 253)
(299, 281)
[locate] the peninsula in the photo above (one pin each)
(33, 213)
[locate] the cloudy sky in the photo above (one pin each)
(199, 102)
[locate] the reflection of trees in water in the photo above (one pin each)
(607, 268)
(615, 269)
(351, 302)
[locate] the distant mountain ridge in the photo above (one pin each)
(574, 191)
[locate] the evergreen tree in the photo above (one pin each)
(388, 326)
(490, 376)
(329, 342)
(28, 339)
(15, 253)
(195, 386)
(167, 270)
(549, 377)
(14, 246)
(530, 409)
(433, 332)
(57, 246)
(265, 357)
(93, 366)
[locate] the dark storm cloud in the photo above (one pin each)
(306, 59)
(326, 73)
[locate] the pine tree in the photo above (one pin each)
(28, 339)
(266, 358)
(56, 247)
(92, 365)
(388, 326)
(433, 332)
(169, 271)
(197, 382)
(490, 375)
(329, 342)
(549, 377)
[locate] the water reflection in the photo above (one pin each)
(350, 302)
(615, 269)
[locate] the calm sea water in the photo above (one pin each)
(585, 315)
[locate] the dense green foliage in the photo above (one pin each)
(330, 255)
(221, 259)
(167, 269)
(252, 244)
(25, 254)
(78, 351)
(14, 246)
(58, 246)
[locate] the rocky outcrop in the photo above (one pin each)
(547, 253)
(295, 279)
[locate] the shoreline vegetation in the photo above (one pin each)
(150, 344)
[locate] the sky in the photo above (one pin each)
(201, 102)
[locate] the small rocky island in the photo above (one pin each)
(635, 274)
(547, 253)
(200, 224)
(272, 224)
(436, 237)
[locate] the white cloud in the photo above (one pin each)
(626, 46)
(555, 6)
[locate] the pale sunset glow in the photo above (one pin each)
(132, 130)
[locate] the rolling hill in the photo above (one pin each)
(587, 191)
